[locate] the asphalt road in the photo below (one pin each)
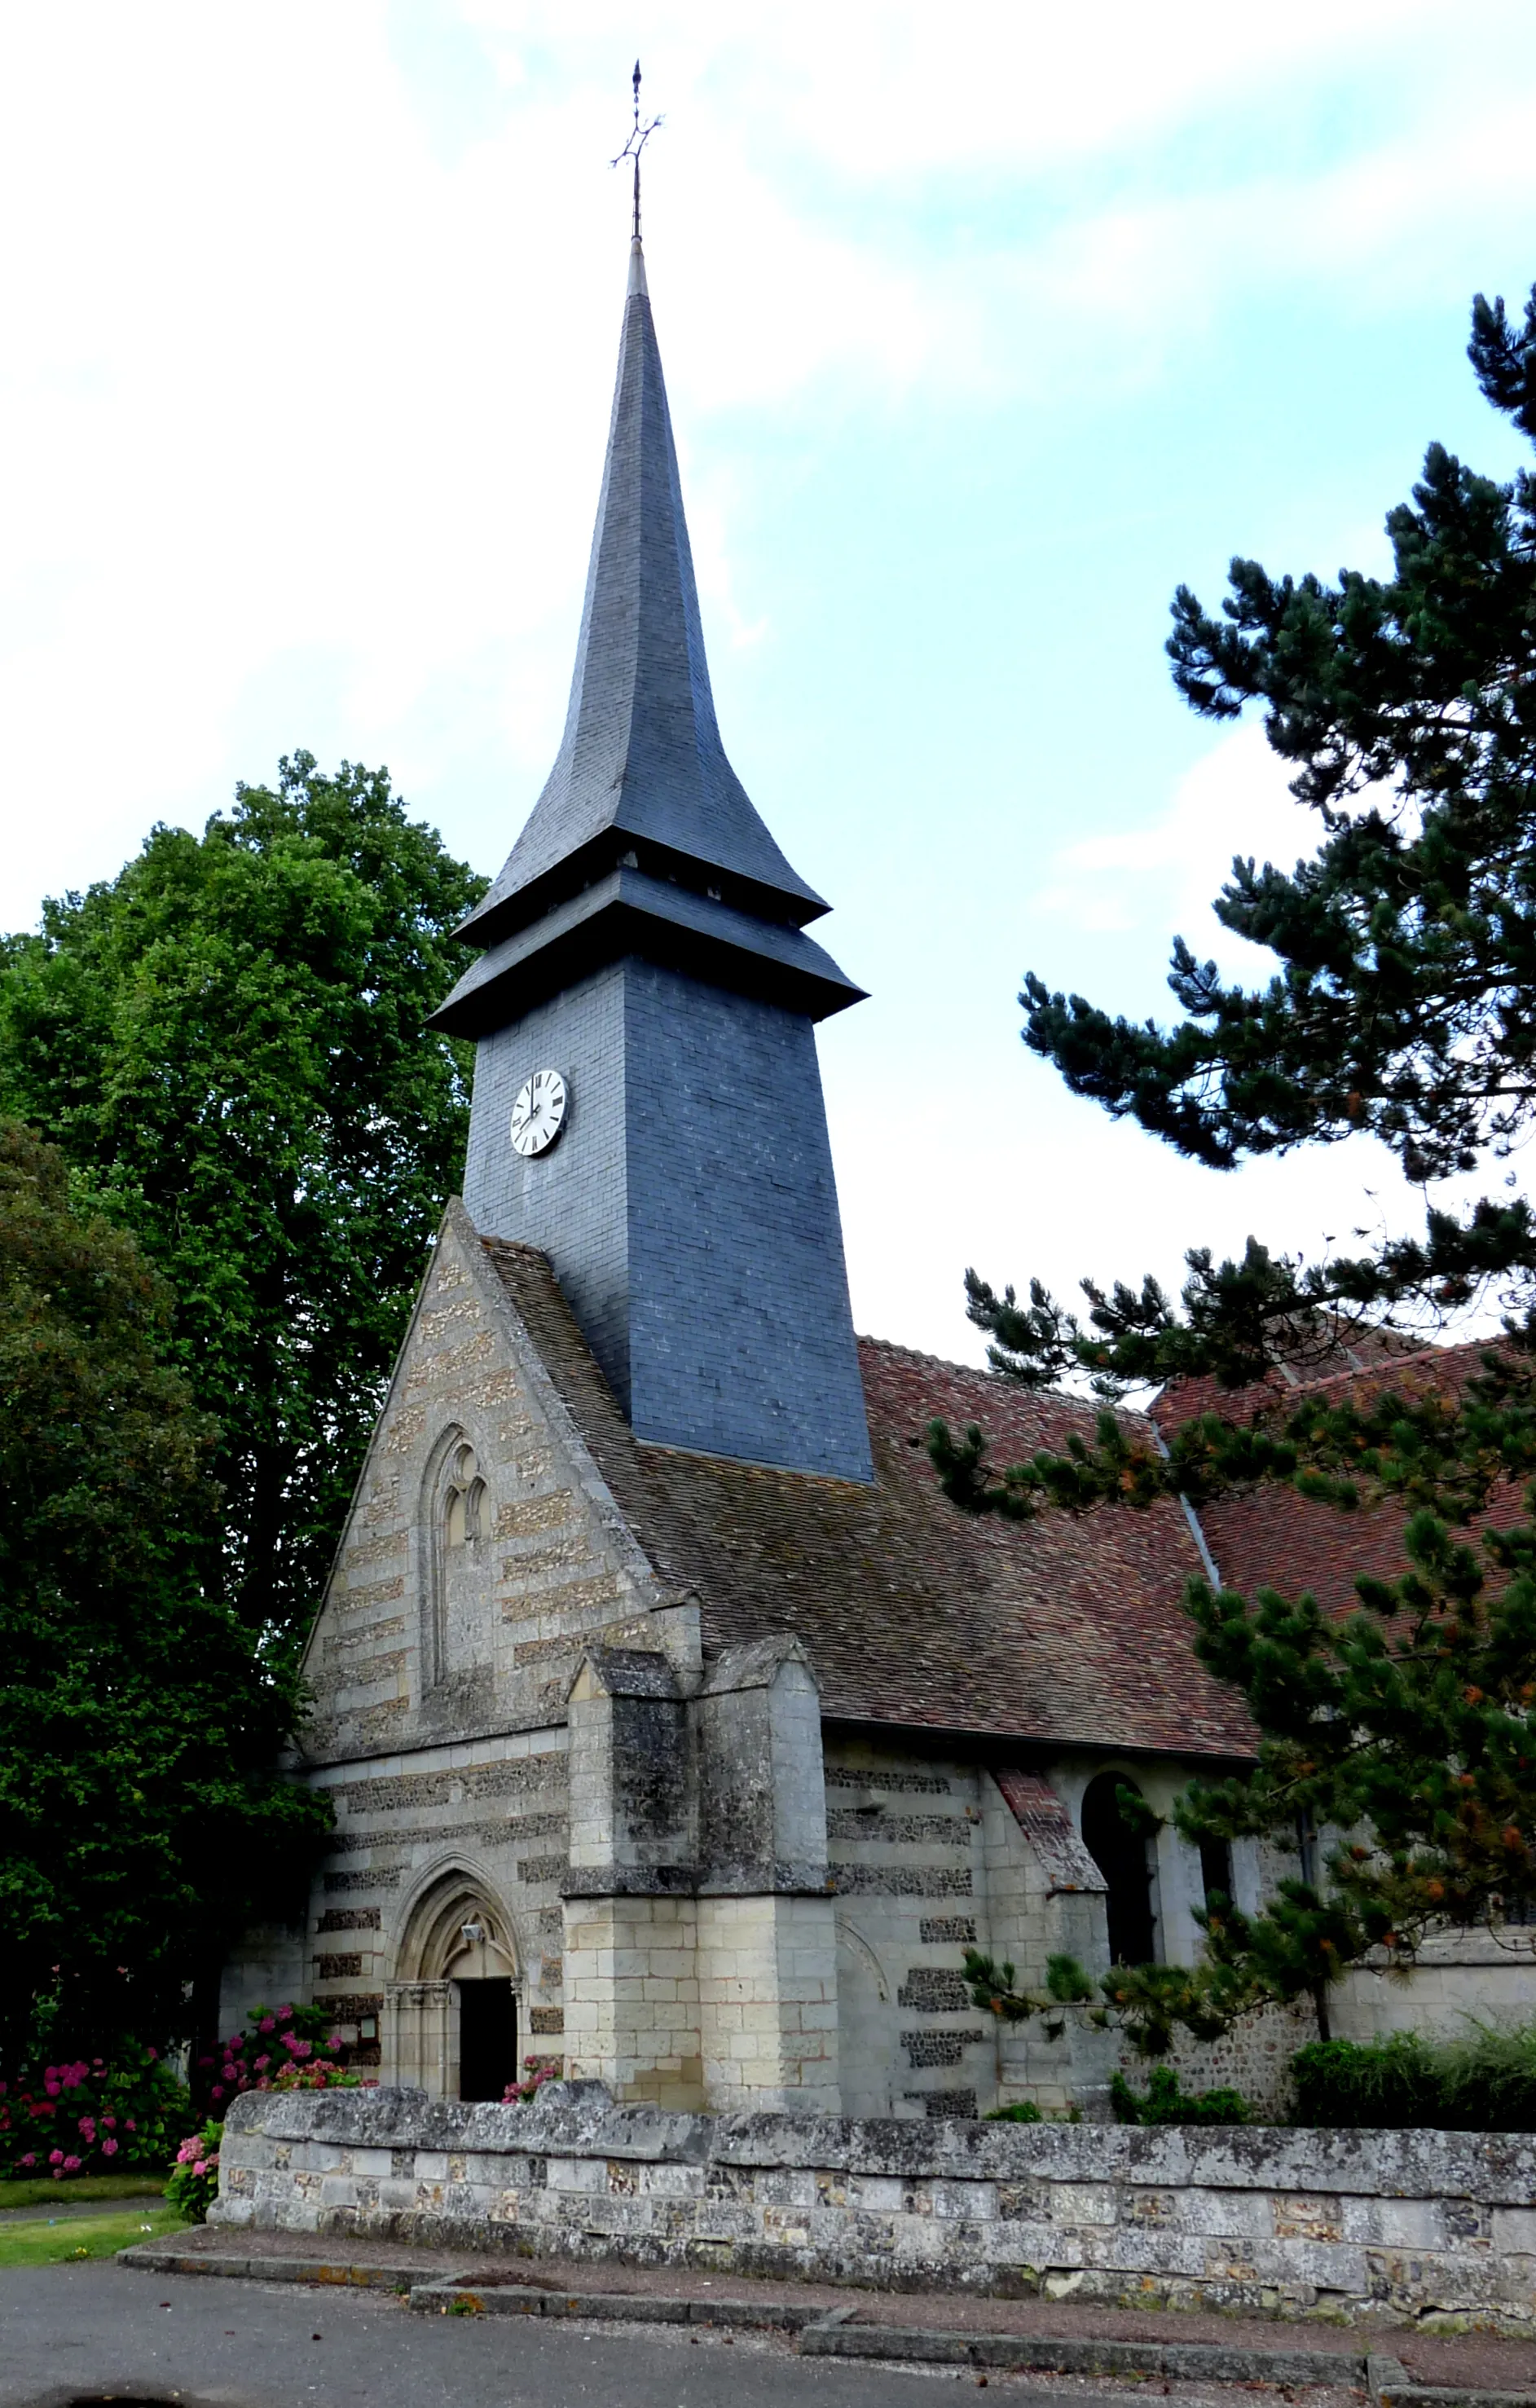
(84, 2332)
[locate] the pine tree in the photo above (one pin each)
(1404, 1005)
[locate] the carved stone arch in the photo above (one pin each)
(866, 2026)
(452, 1929)
(858, 1947)
(455, 1521)
(428, 1942)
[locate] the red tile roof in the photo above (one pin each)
(1061, 1630)
(1270, 1537)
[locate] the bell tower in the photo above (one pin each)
(648, 1103)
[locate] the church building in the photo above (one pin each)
(676, 1726)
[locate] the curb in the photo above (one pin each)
(627, 2307)
(820, 2334)
(1391, 2387)
(835, 2335)
(1176, 2361)
(148, 2261)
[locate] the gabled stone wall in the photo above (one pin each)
(1286, 2223)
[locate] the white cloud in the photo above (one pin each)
(310, 315)
(1161, 880)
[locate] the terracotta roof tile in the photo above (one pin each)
(1060, 1630)
(1043, 1819)
(1273, 1538)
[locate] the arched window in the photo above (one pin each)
(1121, 1855)
(463, 1495)
(457, 1616)
(1217, 1869)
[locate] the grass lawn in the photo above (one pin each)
(38, 2194)
(82, 2236)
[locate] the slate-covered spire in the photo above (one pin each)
(643, 837)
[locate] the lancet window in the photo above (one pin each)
(464, 1498)
(457, 1518)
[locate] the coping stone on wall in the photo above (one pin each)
(580, 2119)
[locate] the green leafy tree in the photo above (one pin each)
(1404, 1005)
(227, 1043)
(142, 1821)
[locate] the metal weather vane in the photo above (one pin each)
(638, 137)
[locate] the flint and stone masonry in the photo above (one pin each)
(1340, 2224)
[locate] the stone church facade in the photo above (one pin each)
(675, 1725)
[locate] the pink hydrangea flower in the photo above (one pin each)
(109, 2147)
(268, 2023)
(55, 2157)
(261, 2064)
(217, 2091)
(129, 2121)
(72, 2165)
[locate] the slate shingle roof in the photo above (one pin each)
(642, 753)
(643, 839)
(1055, 1632)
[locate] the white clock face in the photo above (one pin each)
(539, 1114)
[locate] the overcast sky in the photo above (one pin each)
(983, 328)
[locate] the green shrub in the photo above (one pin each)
(1387, 2083)
(1488, 2079)
(1163, 2102)
(1482, 2081)
(537, 2071)
(93, 2116)
(1022, 2111)
(194, 2181)
(280, 2048)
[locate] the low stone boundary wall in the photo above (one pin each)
(1406, 2225)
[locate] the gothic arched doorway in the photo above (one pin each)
(451, 2013)
(1120, 1851)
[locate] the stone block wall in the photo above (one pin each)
(768, 1986)
(631, 1996)
(420, 1640)
(498, 1806)
(1461, 1976)
(1286, 2223)
(904, 1842)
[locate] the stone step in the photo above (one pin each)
(148, 2259)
